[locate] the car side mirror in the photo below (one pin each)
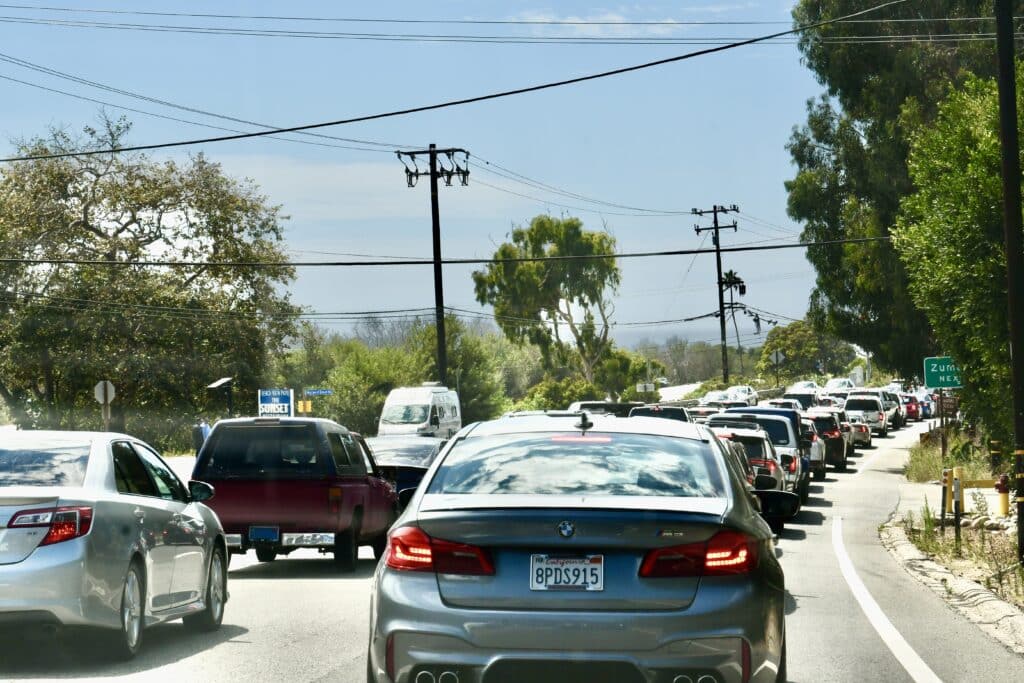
(200, 491)
(777, 504)
(404, 496)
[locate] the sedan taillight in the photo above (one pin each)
(63, 523)
(411, 549)
(767, 464)
(726, 553)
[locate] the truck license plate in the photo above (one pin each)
(264, 533)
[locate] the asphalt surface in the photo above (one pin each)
(297, 619)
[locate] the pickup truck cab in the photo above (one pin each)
(287, 483)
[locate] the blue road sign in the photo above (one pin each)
(319, 392)
(276, 403)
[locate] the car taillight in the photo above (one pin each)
(727, 552)
(389, 657)
(768, 464)
(411, 549)
(833, 434)
(881, 417)
(792, 465)
(63, 523)
(334, 499)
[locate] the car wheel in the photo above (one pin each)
(266, 554)
(216, 595)
(127, 640)
(841, 467)
(805, 491)
(884, 433)
(346, 548)
(819, 474)
(776, 525)
(380, 545)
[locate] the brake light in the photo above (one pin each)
(411, 549)
(881, 417)
(389, 657)
(727, 552)
(768, 464)
(833, 434)
(63, 523)
(792, 465)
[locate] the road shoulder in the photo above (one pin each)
(993, 615)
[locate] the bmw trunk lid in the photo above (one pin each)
(571, 554)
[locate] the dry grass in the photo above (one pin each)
(925, 463)
(987, 557)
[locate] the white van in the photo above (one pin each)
(428, 410)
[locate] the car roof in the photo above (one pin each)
(530, 422)
(277, 420)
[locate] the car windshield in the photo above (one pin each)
(43, 462)
(261, 451)
(569, 463)
(401, 452)
(665, 413)
(755, 448)
(405, 414)
(824, 424)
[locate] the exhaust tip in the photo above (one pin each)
(682, 679)
(424, 677)
(448, 677)
(707, 679)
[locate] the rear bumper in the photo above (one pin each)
(50, 586)
(485, 646)
(303, 539)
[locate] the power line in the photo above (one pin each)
(457, 102)
(429, 262)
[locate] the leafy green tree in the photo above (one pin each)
(362, 380)
(471, 369)
(620, 372)
(557, 394)
(851, 161)
(806, 351)
(159, 334)
(547, 303)
(951, 242)
(306, 364)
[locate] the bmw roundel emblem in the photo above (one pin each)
(566, 529)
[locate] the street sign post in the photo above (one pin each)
(940, 372)
(276, 403)
(777, 358)
(104, 393)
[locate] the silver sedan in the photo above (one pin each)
(581, 548)
(96, 530)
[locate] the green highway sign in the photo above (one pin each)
(940, 372)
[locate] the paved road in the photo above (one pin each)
(298, 620)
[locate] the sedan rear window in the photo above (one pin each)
(597, 464)
(261, 451)
(44, 463)
(863, 404)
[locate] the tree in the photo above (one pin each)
(159, 334)
(851, 158)
(806, 351)
(540, 301)
(362, 379)
(307, 364)
(951, 241)
(558, 394)
(620, 372)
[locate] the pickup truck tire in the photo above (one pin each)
(266, 554)
(819, 474)
(380, 545)
(346, 547)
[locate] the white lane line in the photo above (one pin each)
(863, 466)
(899, 647)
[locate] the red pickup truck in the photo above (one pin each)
(287, 483)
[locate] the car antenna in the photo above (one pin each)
(584, 424)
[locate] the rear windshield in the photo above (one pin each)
(806, 400)
(825, 424)
(279, 451)
(862, 404)
(667, 413)
(755, 447)
(597, 464)
(44, 463)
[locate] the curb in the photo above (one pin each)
(993, 615)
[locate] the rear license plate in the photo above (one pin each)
(553, 572)
(264, 533)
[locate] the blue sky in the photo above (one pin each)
(711, 130)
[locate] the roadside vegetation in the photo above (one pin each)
(988, 557)
(925, 462)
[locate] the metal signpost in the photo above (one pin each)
(940, 372)
(777, 358)
(104, 393)
(276, 403)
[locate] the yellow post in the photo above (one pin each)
(958, 475)
(947, 482)
(1004, 504)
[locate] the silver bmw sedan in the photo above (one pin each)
(580, 548)
(96, 530)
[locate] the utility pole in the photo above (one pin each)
(715, 210)
(456, 168)
(1013, 241)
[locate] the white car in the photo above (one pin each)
(743, 392)
(839, 384)
(805, 386)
